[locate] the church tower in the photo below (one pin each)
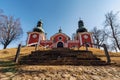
(83, 35)
(36, 35)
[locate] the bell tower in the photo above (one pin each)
(37, 35)
(83, 35)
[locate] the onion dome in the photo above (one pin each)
(39, 27)
(81, 27)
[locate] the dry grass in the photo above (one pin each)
(100, 52)
(9, 54)
(38, 71)
(115, 57)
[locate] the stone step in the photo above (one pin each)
(59, 62)
(85, 55)
(56, 58)
(61, 56)
(60, 52)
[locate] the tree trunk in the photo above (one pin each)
(116, 49)
(117, 42)
(114, 36)
(5, 46)
(106, 54)
(98, 44)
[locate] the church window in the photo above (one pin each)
(60, 38)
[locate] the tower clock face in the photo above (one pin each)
(85, 36)
(34, 36)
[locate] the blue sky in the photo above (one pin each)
(58, 13)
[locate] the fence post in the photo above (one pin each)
(86, 45)
(36, 46)
(107, 54)
(17, 54)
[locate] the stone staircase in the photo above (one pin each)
(61, 56)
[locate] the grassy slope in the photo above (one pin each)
(37, 71)
(9, 54)
(115, 57)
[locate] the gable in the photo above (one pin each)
(58, 35)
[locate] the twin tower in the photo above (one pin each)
(60, 39)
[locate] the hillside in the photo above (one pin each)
(9, 54)
(11, 71)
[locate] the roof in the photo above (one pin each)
(58, 34)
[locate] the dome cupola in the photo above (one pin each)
(81, 27)
(39, 28)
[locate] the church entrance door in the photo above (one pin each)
(59, 45)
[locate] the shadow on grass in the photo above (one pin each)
(7, 63)
(9, 69)
(11, 57)
(7, 66)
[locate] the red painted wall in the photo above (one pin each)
(86, 39)
(46, 43)
(70, 45)
(56, 38)
(33, 38)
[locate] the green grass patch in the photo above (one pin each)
(8, 66)
(7, 63)
(9, 69)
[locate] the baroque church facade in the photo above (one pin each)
(60, 39)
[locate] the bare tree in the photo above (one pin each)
(10, 30)
(113, 28)
(99, 36)
(113, 46)
(73, 36)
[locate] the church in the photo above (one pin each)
(60, 39)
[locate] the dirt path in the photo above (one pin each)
(63, 73)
